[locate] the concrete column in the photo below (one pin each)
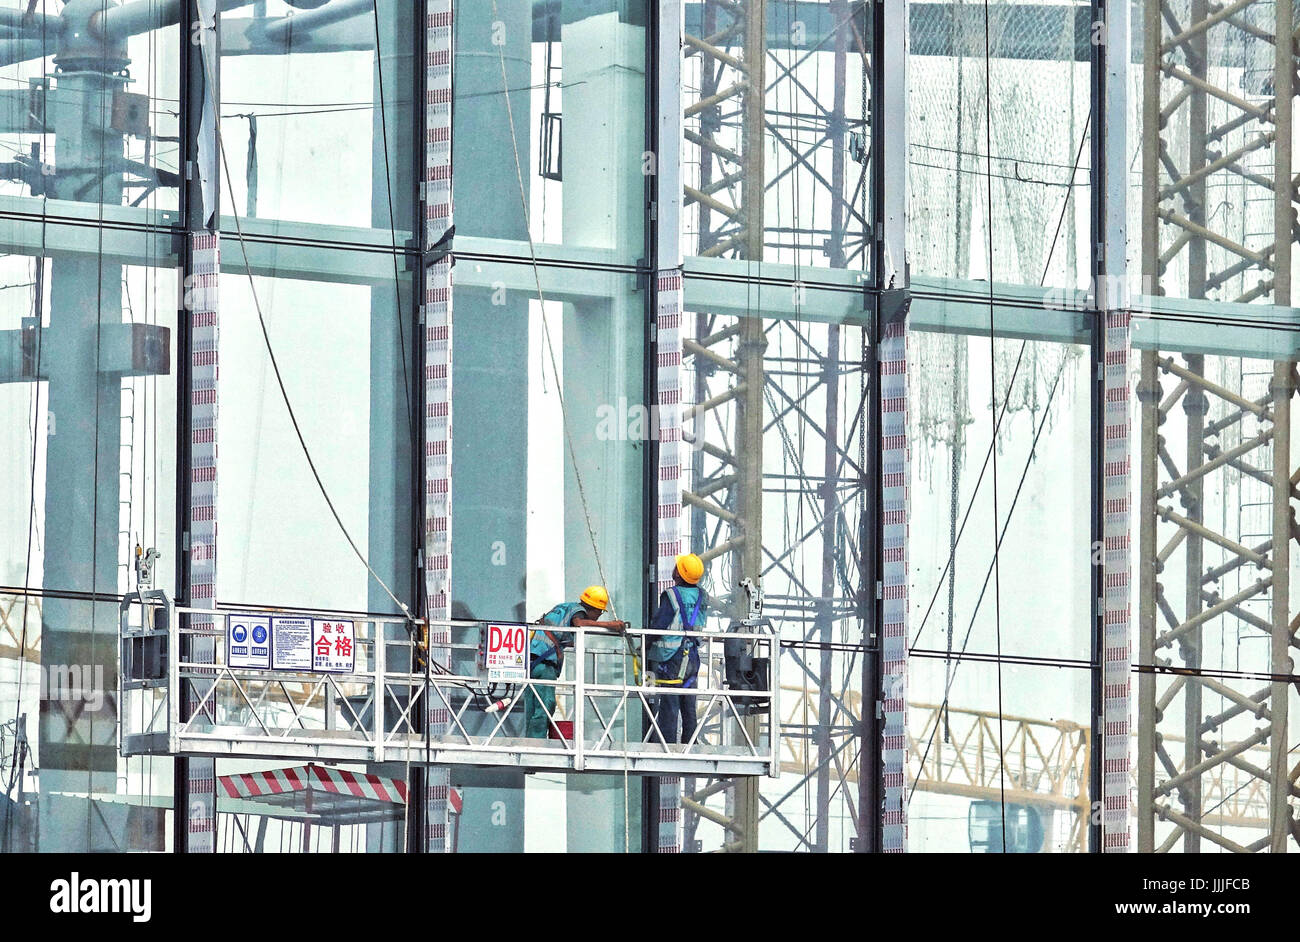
(604, 206)
(82, 475)
(490, 369)
(396, 391)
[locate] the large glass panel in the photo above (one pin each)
(345, 352)
(310, 110)
(998, 757)
(88, 103)
(1205, 152)
(1215, 640)
(775, 491)
(548, 465)
(1002, 562)
(1031, 96)
(1012, 418)
(783, 177)
(87, 400)
(550, 113)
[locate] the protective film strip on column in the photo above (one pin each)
(201, 302)
(893, 636)
(437, 386)
(668, 338)
(1116, 578)
(670, 814)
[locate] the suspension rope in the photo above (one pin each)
(993, 387)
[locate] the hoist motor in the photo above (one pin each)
(743, 670)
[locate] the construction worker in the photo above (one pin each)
(675, 659)
(546, 651)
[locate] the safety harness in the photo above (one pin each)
(554, 651)
(558, 659)
(683, 652)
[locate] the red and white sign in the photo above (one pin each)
(333, 646)
(505, 653)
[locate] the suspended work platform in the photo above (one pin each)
(299, 685)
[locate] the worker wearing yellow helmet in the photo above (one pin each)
(546, 651)
(674, 658)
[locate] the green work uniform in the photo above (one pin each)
(546, 661)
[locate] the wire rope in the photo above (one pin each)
(993, 386)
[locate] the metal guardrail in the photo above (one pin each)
(372, 713)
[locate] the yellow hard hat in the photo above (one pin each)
(595, 596)
(690, 567)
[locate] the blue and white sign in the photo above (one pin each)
(248, 641)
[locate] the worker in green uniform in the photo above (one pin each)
(546, 651)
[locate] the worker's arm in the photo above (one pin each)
(592, 623)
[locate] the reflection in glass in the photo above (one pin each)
(88, 103)
(551, 107)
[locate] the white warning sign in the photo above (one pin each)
(248, 641)
(291, 643)
(332, 646)
(506, 652)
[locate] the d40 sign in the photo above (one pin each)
(505, 653)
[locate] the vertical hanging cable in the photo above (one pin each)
(997, 542)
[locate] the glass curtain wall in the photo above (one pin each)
(777, 198)
(1000, 419)
(88, 289)
(550, 409)
(319, 156)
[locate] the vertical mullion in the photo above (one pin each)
(194, 815)
(890, 400)
(1109, 832)
(664, 359)
(436, 221)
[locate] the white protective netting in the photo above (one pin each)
(1037, 170)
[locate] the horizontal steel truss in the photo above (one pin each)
(369, 714)
(16, 613)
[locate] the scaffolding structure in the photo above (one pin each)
(1217, 471)
(751, 125)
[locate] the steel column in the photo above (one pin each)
(195, 784)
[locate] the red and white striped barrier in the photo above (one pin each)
(316, 778)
